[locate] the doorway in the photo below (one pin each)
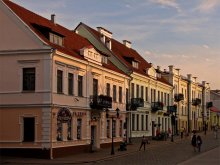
(93, 137)
(29, 129)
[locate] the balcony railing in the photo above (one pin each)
(171, 109)
(178, 97)
(100, 102)
(196, 101)
(155, 106)
(135, 103)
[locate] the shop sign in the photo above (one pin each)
(64, 115)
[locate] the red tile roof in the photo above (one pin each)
(72, 41)
(123, 53)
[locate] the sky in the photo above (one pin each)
(182, 33)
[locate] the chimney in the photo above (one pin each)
(127, 43)
(170, 68)
(178, 71)
(189, 76)
(53, 18)
(158, 68)
(203, 83)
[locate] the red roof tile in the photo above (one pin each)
(123, 53)
(72, 41)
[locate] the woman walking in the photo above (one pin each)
(193, 141)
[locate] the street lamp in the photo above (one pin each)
(173, 123)
(112, 116)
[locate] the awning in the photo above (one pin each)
(214, 109)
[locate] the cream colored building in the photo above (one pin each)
(55, 88)
(190, 97)
(148, 89)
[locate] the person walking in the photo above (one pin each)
(216, 132)
(181, 132)
(199, 142)
(143, 142)
(193, 141)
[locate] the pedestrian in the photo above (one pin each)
(215, 131)
(193, 141)
(199, 142)
(181, 132)
(143, 142)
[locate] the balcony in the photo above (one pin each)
(155, 106)
(178, 97)
(100, 102)
(171, 109)
(196, 101)
(136, 102)
(209, 104)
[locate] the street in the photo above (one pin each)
(157, 153)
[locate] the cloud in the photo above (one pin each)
(168, 3)
(208, 5)
(205, 46)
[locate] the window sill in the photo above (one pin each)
(28, 91)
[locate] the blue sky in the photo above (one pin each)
(183, 33)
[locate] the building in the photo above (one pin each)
(190, 99)
(149, 93)
(214, 107)
(59, 90)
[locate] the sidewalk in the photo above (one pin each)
(211, 157)
(100, 155)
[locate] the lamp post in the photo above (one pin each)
(112, 117)
(173, 123)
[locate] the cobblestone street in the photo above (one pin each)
(158, 152)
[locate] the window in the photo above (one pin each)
(79, 128)
(120, 129)
(114, 93)
(146, 122)
(59, 81)
(114, 128)
(137, 91)
(95, 87)
(108, 128)
(137, 122)
(142, 92)
(70, 83)
(104, 60)
(80, 86)
(132, 90)
(29, 129)
(135, 64)
(133, 122)
(127, 96)
(108, 89)
(146, 94)
(158, 95)
(28, 79)
(142, 122)
(162, 97)
(54, 38)
(120, 94)
(168, 99)
(165, 98)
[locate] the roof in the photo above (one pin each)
(127, 55)
(39, 25)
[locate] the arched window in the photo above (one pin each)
(64, 117)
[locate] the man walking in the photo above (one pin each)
(143, 142)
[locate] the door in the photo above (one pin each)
(29, 129)
(153, 129)
(93, 137)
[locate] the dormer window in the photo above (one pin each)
(104, 60)
(135, 64)
(56, 39)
